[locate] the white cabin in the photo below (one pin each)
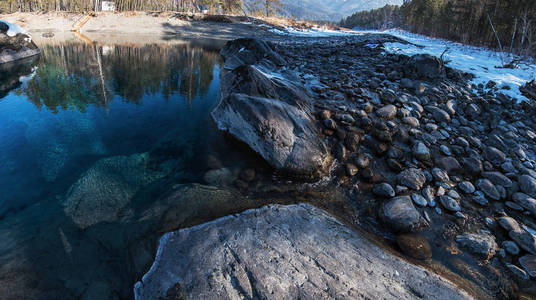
(107, 5)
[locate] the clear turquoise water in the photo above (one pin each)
(91, 136)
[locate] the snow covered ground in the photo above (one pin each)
(14, 29)
(483, 63)
(312, 32)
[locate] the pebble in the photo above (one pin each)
(528, 262)
(527, 184)
(330, 124)
(421, 152)
(351, 170)
(419, 200)
(488, 189)
(449, 203)
(445, 150)
(363, 161)
(467, 187)
(412, 178)
(440, 175)
(387, 112)
(415, 245)
(509, 224)
(518, 272)
(510, 247)
(383, 190)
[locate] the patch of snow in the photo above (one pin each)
(482, 62)
(14, 29)
(311, 32)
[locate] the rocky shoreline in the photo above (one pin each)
(429, 160)
(15, 44)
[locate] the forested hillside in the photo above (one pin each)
(332, 10)
(501, 24)
(216, 6)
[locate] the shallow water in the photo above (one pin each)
(99, 148)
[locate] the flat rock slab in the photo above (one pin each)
(283, 252)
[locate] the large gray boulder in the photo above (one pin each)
(269, 112)
(15, 43)
(283, 252)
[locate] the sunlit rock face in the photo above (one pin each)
(283, 252)
(15, 43)
(268, 110)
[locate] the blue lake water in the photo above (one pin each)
(92, 135)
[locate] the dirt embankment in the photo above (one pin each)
(160, 24)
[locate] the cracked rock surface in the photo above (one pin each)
(283, 252)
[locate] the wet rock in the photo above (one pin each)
(448, 163)
(241, 184)
(394, 165)
(467, 187)
(384, 190)
(520, 273)
(302, 248)
(411, 178)
(272, 115)
(425, 66)
(509, 224)
(481, 244)
(480, 198)
(351, 170)
(411, 121)
(401, 215)
(362, 161)
(104, 190)
(472, 165)
(440, 175)
(445, 150)
(387, 112)
(330, 124)
(513, 205)
(347, 119)
(524, 239)
(525, 201)
(421, 152)
(498, 178)
(527, 184)
(419, 200)
(429, 193)
(528, 262)
(247, 175)
(219, 177)
(449, 203)
(249, 51)
(438, 114)
(325, 114)
(510, 247)
(414, 245)
(352, 141)
(340, 152)
(472, 111)
(488, 189)
(494, 155)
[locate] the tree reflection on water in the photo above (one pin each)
(76, 75)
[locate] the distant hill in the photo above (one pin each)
(329, 10)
